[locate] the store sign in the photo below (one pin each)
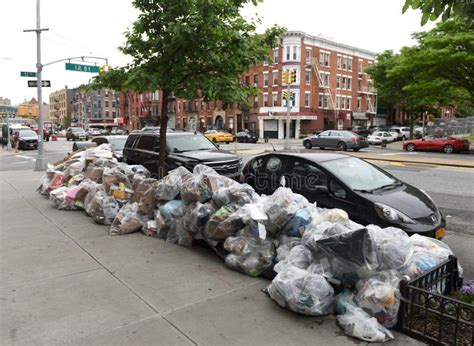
(359, 116)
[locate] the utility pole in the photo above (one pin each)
(40, 164)
(289, 76)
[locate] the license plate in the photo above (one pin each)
(440, 233)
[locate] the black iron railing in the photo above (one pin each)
(429, 313)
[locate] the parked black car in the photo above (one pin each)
(183, 149)
(366, 192)
(340, 140)
(246, 137)
(76, 134)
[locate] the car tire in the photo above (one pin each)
(214, 140)
(227, 142)
(308, 144)
(356, 149)
(411, 147)
(321, 148)
(341, 146)
(67, 139)
(448, 149)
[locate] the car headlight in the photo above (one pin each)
(391, 214)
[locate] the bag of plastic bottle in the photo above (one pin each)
(239, 194)
(285, 244)
(303, 292)
(171, 210)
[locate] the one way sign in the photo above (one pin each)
(34, 83)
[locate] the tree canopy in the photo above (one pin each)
(437, 72)
(433, 9)
(190, 49)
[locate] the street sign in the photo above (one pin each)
(34, 83)
(82, 68)
(27, 74)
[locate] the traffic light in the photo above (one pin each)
(289, 95)
(285, 77)
(293, 76)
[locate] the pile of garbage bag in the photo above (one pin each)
(310, 253)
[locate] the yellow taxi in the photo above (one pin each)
(219, 136)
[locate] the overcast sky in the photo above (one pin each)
(95, 27)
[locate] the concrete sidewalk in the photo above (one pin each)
(65, 280)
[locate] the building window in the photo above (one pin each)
(275, 77)
(265, 79)
(344, 82)
(255, 101)
(295, 52)
(113, 104)
(344, 63)
(247, 80)
(275, 56)
(324, 79)
(360, 66)
(307, 98)
(274, 99)
(288, 53)
(324, 58)
(338, 82)
(320, 101)
(106, 103)
(359, 104)
(348, 103)
(321, 58)
(339, 61)
(349, 83)
(307, 77)
(343, 102)
(265, 100)
(338, 102)
(349, 64)
(106, 114)
(255, 80)
(308, 55)
(359, 84)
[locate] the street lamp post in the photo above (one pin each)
(40, 164)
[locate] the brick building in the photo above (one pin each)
(331, 90)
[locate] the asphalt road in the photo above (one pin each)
(452, 188)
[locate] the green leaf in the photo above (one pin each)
(406, 6)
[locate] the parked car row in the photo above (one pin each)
(340, 140)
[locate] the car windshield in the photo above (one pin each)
(77, 130)
(358, 174)
(180, 144)
(28, 133)
(117, 143)
(378, 134)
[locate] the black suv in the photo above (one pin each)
(183, 149)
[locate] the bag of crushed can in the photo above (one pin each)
(379, 296)
(249, 255)
(128, 220)
(299, 256)
(348, 256)
(168, 188)
(303, 292)
(358, 323)
(223, 223)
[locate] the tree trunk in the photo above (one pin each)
(162, 165)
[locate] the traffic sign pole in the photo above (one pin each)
(40, 164)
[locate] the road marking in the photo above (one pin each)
(399, 164)
(24, 157)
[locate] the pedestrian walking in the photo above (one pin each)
(16, 141)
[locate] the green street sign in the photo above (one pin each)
(82, 68)
(27, 74)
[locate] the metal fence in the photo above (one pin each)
(429, 314)
(450, 127)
